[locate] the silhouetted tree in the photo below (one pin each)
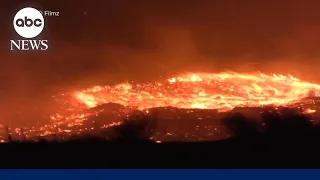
(23, 134)
(138, 127)
(8, 135)
(272, 123)
(240, 126)
(286, 123)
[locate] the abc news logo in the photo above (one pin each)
(28, 23)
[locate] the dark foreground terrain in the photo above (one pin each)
(221, 154)
(286, 138)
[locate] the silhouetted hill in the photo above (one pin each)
(284, 138)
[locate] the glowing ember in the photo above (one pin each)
(309, 111)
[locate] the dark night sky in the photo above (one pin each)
(117, 40)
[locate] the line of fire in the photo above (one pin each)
(201, 99)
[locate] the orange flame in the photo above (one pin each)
(222, 91)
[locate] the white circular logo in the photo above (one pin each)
(28, 22)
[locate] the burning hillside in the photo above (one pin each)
(221, 91)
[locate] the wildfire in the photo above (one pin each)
(222, 91)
